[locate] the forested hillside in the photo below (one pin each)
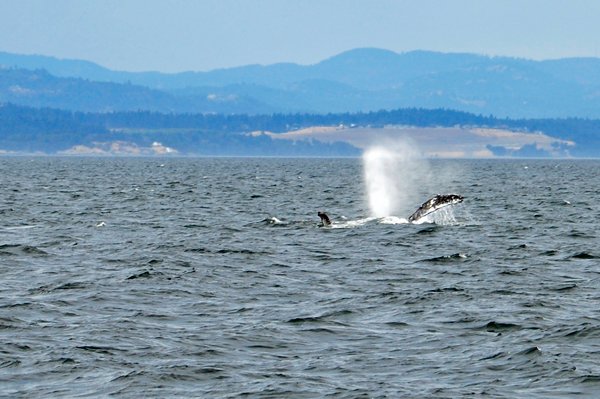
(47, 130)
(50, 130)
(359, 80)
(38, 88)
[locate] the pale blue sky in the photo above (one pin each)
(181, 35)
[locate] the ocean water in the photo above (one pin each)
(213, 278)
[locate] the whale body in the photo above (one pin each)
(428, 207)
(435, 203)
(324, 218)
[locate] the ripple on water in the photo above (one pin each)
(213, 278)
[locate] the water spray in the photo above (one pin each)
(393, 174)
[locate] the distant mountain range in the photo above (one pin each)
(357, 80)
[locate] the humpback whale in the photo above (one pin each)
(435, 203)
(324, 218)
(428, 207)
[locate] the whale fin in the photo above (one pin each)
(324, 218)
(435, 203)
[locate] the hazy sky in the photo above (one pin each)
(180, 35)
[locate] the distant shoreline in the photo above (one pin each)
(437, 142)
(435, 133)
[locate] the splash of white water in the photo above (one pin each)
(443, 216)
(392, 174)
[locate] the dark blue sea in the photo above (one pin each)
(213, 278)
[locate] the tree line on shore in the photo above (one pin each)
(28, 129)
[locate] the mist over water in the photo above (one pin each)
(393, 174)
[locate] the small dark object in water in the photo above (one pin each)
(324, 218)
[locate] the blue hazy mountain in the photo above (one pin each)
(38, 88)
(357, 80)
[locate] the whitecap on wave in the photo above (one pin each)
(351, 223)
(18, 227)
(442, 217)
(393, 220)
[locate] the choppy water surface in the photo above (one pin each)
(212, 278)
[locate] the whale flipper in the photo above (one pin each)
(435, 203)
(324, 218)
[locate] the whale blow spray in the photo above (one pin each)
(393, 175)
